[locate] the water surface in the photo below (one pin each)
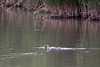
(20, 35)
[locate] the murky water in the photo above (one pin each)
(21, 37)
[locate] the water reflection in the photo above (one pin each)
(73, 33)
(20, 35)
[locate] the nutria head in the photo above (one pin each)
(46, 47)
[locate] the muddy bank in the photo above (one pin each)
(41, 10)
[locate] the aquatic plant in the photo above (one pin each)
(89, 3)
(64, 8)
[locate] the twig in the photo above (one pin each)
(15, 4)
(40, 6)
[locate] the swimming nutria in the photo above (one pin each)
(46, 47)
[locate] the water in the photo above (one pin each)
(21, 36)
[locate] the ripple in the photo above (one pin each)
(19, 55)
(48, 48)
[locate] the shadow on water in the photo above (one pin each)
(20, 35)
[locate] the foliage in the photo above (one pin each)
(92, 4)
(89, 3)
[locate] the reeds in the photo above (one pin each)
(83, 8)
(89, 3)
(63, 8)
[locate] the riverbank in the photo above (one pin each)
(42, 10)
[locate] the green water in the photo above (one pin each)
(20, 34)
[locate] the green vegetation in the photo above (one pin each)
(91, 4)
(88, 9)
